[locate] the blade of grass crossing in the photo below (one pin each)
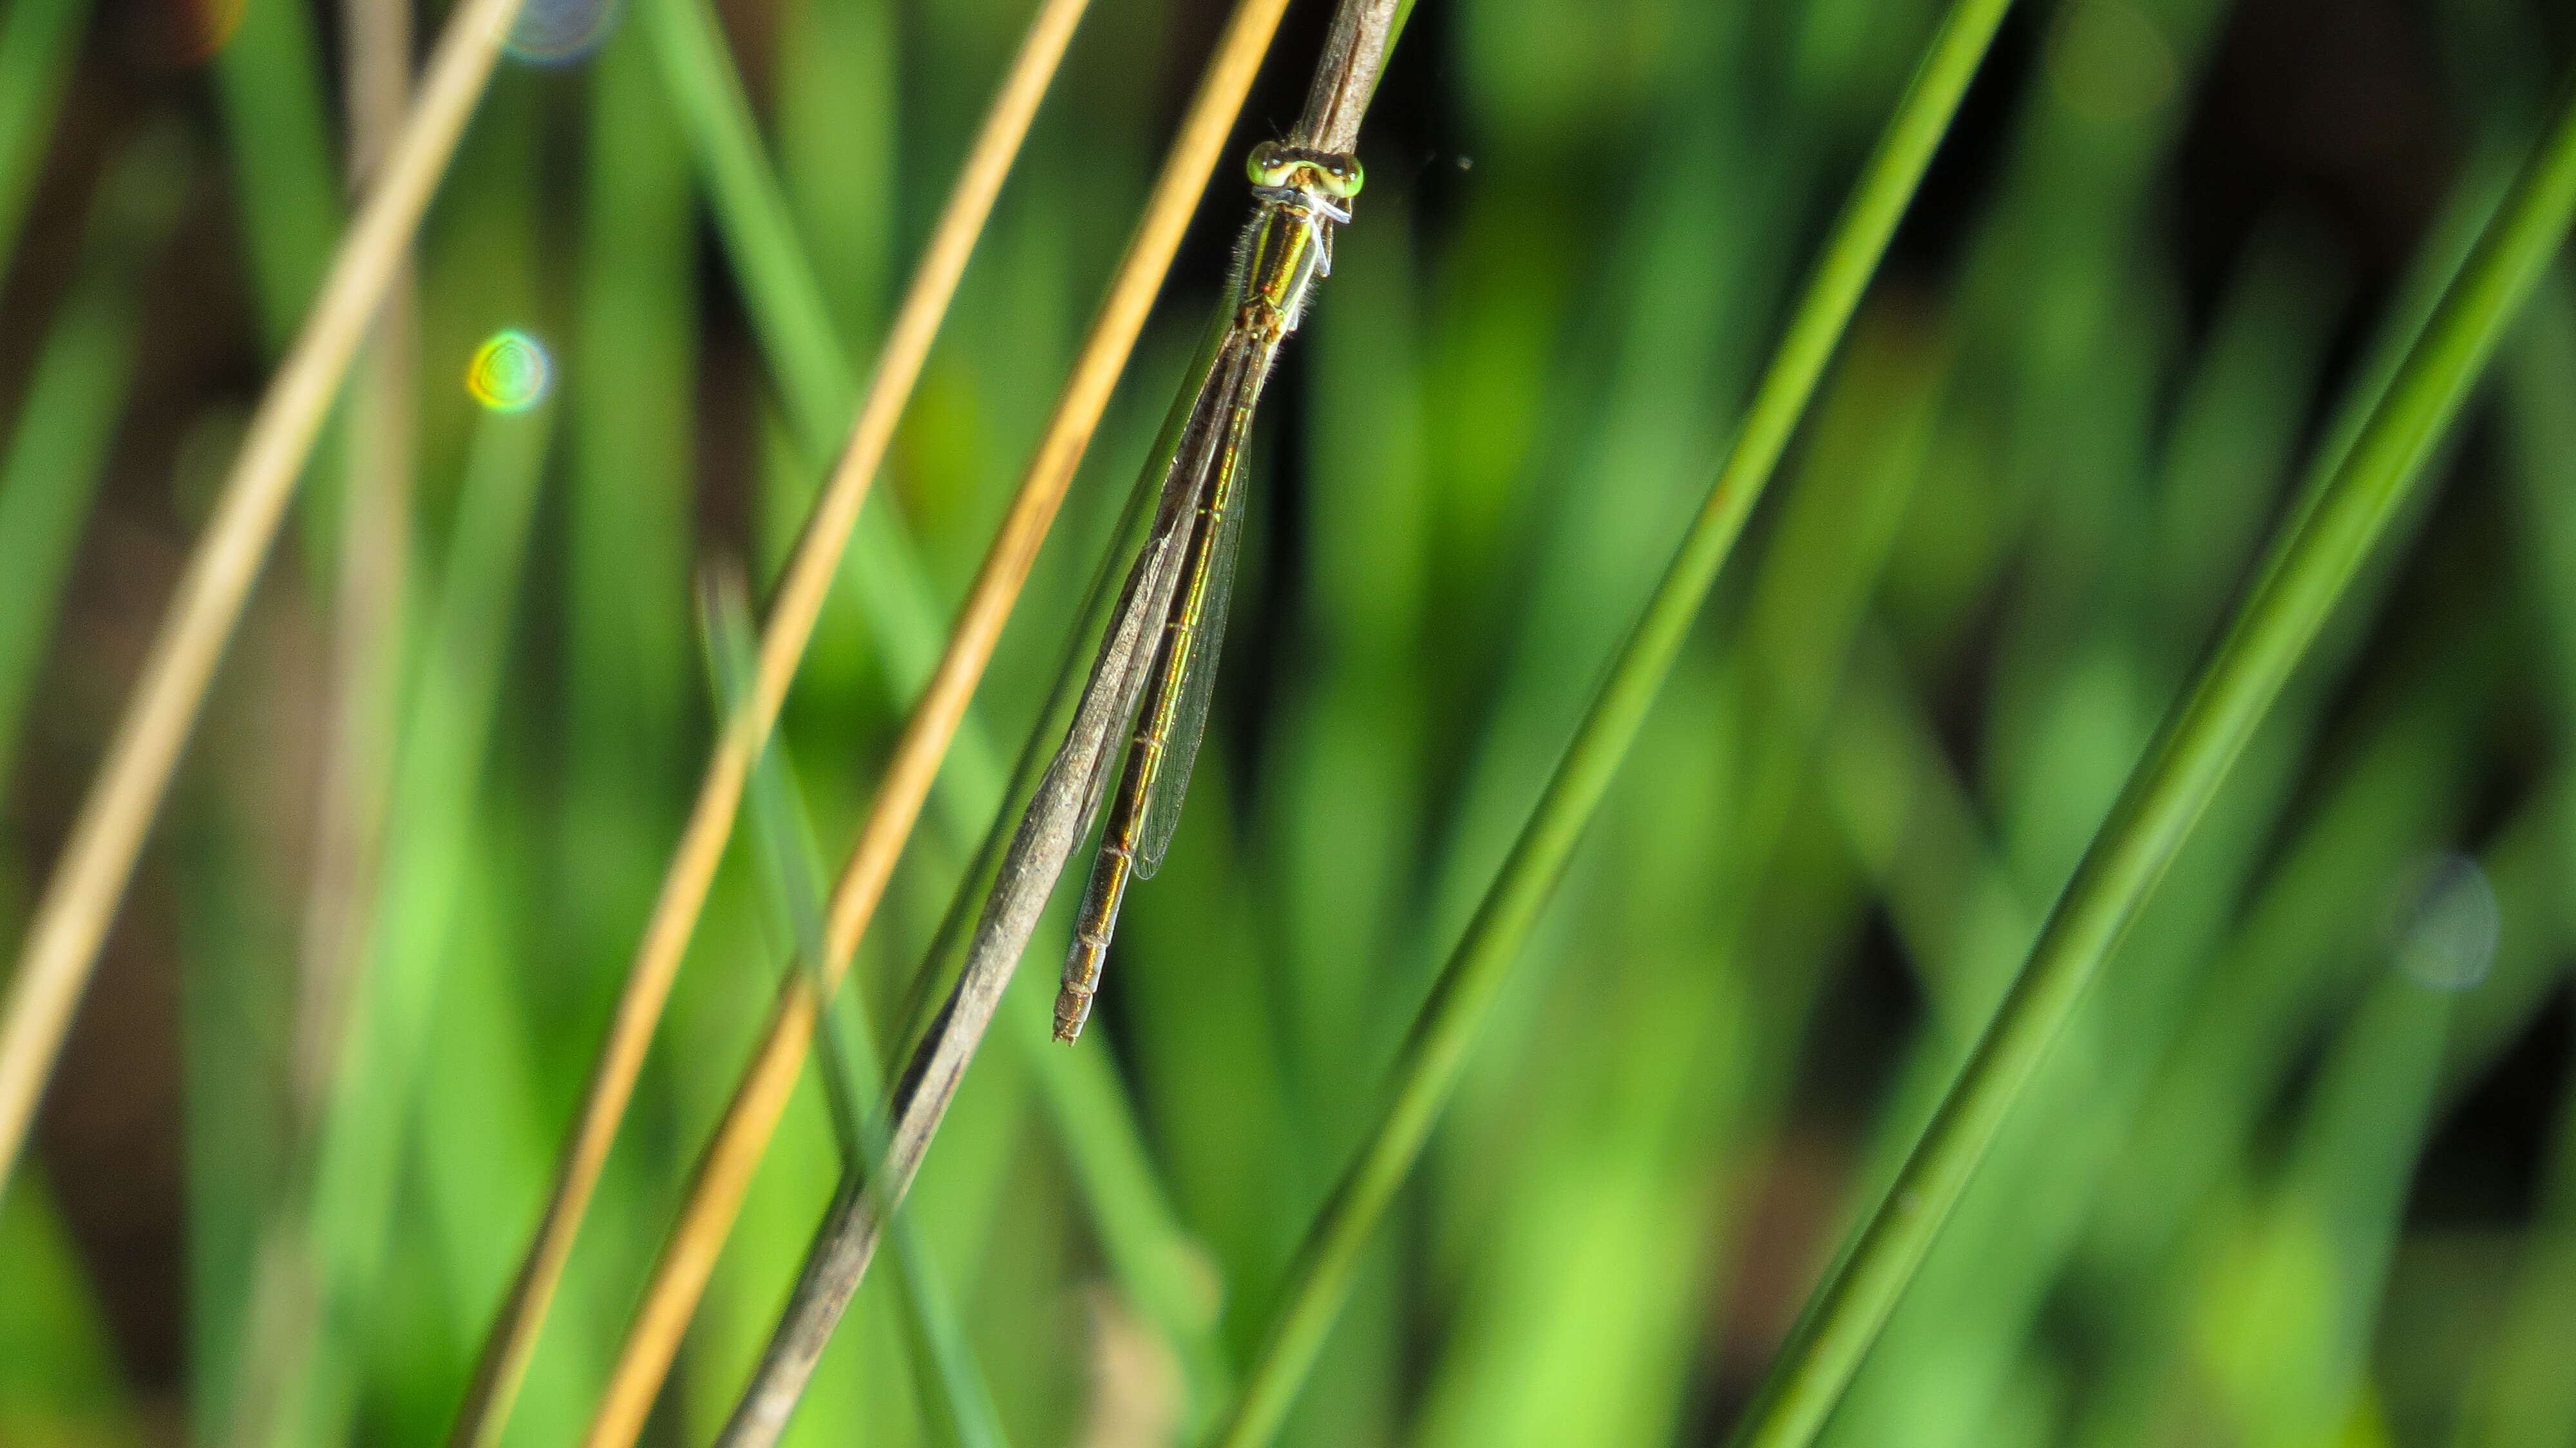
(1955, 1345)
(1990, 1279)
(1434, 1053)
(2436, 264)
(2168, 1293)
(2293, 953)
(2168, 793)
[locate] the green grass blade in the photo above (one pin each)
(2167, 794)
(59, 1377)
(1435, 1052)
(67, 422)
(838, 119)
(268, 81)
(808, 360)
(2325, 912)
(37, 45)
(2293, 955)
(277, 127)
(446, 733)
(953, 1391)
(631, 437)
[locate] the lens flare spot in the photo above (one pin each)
(2446, 923)
(509, 373)
(559, 32)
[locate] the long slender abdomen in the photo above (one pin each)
(1116, 864)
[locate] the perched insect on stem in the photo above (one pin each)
(1187, 568)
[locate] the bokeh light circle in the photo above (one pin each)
(2446, 922)
(510, 372)
(559, 32)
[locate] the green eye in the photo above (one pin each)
(1341, 175)
(1270, 164)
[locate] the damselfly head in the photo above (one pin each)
(1328, 173)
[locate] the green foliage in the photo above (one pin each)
(1608, 924)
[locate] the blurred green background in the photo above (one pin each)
(2304, 1171)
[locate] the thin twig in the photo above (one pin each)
(1347, 76)
(80, 899)
(793, 613)
(751, 1116)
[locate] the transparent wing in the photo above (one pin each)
(1119, 679)
(1198, 686)
(1097, 740)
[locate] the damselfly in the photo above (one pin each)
(1187, 568)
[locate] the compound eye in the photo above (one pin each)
(1270, 165)
(1341, 176)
